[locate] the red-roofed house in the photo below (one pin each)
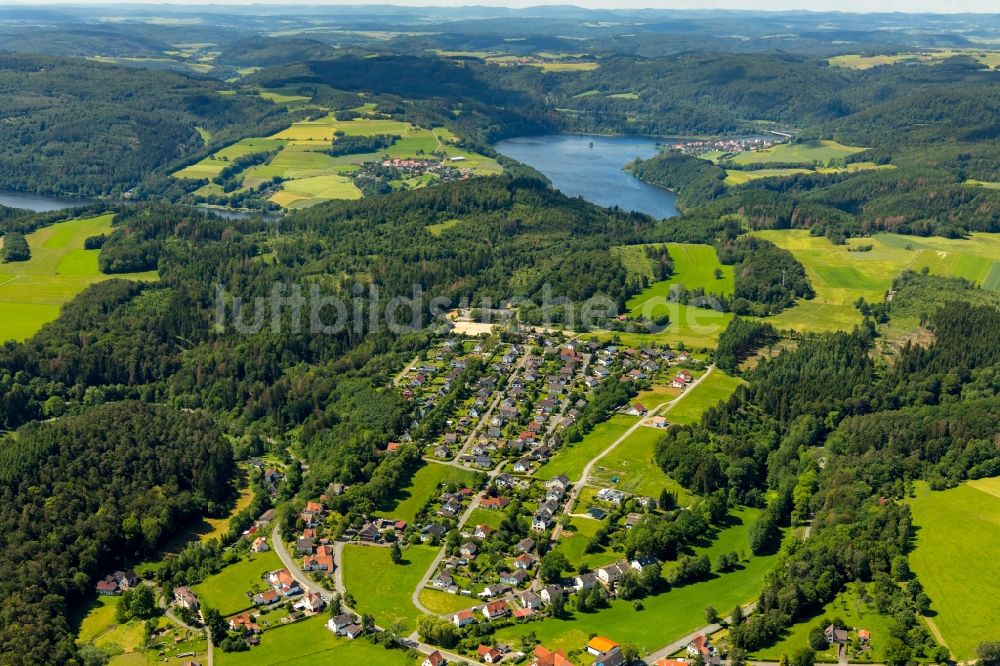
(489, 655)
(495, 609)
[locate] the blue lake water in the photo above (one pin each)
(39, 203)
(592, 167)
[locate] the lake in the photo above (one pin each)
(39, 203)
(594, 173)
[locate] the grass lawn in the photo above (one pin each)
(310, 642)
(32, 292)
(226, 590)
(697, 328)
(713, 389)
(694, 267)
(665, 617)
(958, 538)
(633, 465)
(424, 485)
(840, 277)
(486, 517)
(383, 588)
(805, 152)
(856, 614)
(98, 627)
(444, 602)
(573, 544)
(571, 459)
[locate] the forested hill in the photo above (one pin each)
(87, 493)
(74, 126)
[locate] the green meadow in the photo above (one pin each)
(632, 464)
(573, 544)
(98, 627)
(310, 642)
(441, 603)
(382, 588)
(840, 277)
(425, 484)
(694, 268)
(712, 390)
(806, 152)
(32, 292)
(226, 590)
(570, 459)
(955, 558)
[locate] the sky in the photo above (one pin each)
(861, 6)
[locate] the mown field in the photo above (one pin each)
(712, 390)
(694, 268)
(382, 588)
(312, 176)
(571, 459)
(631, 467)
(955, 558)
(573, 544)
(226, 590)
(424, 485)
(840, 277)
(310, 642)
(32, 292)
(444, 602)
(821, 152)
(663, 617)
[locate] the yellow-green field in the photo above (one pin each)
(805, 152)
(714, 389)
(840, 277)
(955, 558)
(99, 627)
(990, 59)
(312, 176)
(32, 292)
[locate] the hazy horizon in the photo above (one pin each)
(842, 6)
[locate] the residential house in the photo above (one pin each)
(488, 655)
(369, 533)
(462, 618)
(611, 574)
(550, 593)
(304, 546)
(433, 531)
(443, 580)
(107, 586)
(659, 422)
(469, 550)
(612, 657)
(514, 578)
(546, 657)
(835, 635)
(524, 546)
(284, 582)
(244, 624)
(522, 466)
(561, 481)
(126, 579)
(599, 645)
(266, 598)
(494, 503)
(632, 519)
(338, 623)
(637, 409)
(434, 659)
(310, 603)
(530, 600)
(266, 517)
(641, 563)
(185, 597)
(864, 636)
(482, 531)
(585, 581)
(524, 561)
(700, 645)
(352, 631)
(496, 609)
(260, 545)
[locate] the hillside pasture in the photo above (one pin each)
(957, 539)
(226, 590)
(817, 151)
(570, 459)
(840, 277)
(714, 389)
(425, 484)
(382, 588)
(32, 292)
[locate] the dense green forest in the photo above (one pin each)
(84, 495)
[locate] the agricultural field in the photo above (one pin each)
(694, 268)
(990, 59)
(849, 606)
(955, 554)
(425, 484)
(571, 459)
(382, 588)
(840, 277)
(32, 292)
(631, 467)
(312, 176)
(310, 642)
(738, 177)
(712, 390)
(822, 152)
(226, 590)
(663, 617)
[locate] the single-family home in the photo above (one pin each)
(612, 657)
(600, 644)
(266, 598)
(434, 659)
(496, 609)
(482, 531)
(611, 574)
(469, 550)
(464, 617)
(524, 546)
(530, 600)
(185, 597)
(546, 657)
(260, 545)
(835, 635)
(488, 655)
(310, 603)
(513, 577)
(585, 581)
(524, 561)
(637, 409)
(643, 562)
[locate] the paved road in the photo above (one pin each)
(278, 545)
(579, 484)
